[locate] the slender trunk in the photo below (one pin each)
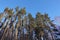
(3, 36)
(52, 36)
(41, 38)
(16, 34)
(5, 30)
(29, 33)
(4, 24)
(51, 33)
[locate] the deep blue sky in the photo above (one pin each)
(52, 7)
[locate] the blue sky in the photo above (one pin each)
(52, 7)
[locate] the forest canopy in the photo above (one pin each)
(16, 19)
